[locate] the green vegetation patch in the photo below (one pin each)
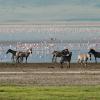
(50, 93)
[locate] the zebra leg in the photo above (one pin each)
(78, 61)
(12, 58)
(86, 61)
(17, 59)
(86, 64)
(95, 60)
(26, 59)
(61, 62)
(81, 62)
(68, 64)
(21, 59)
(53, 58)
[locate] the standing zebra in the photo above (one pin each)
(23, 54)
(95, 54)
(59, 54)
(66, 58)
(83, 58)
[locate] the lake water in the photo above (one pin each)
(87, 35)
(42, 51)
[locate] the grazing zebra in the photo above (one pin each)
(82, 58)
(13, 52)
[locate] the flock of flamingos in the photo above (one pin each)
(65, 55)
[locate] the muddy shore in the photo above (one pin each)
(49, 74)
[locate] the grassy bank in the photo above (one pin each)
(50, 93)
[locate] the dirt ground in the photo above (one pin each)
(49, 74)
